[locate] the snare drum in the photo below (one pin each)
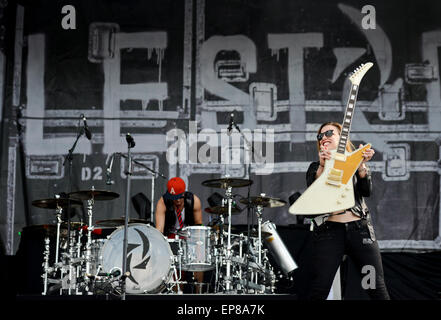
(197, 249)
(149, 258)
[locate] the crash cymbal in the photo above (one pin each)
(267, 202)
(222, 210)
(98, 195)
(55, 203)
(224, 183)
(114, 223)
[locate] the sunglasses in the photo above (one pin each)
(327, 133)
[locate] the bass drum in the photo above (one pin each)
(149, 258)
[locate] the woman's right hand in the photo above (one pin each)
(324, 154)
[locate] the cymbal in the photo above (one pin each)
(117, 222)
(263, 201)
(222, 210)
(51, 229)
(54, 203)
(224, 183)
(93, 194)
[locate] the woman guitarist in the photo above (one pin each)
(347, 232)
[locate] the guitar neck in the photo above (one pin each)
(349, 112)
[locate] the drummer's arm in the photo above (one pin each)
(160, 215)
(197, 211)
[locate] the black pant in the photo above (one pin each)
(331, 241)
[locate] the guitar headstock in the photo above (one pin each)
(359, 73)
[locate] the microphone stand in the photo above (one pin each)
(155, 174)
(251, 150)
(130, 145)
(69, 158)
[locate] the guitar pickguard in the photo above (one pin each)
(333, 189)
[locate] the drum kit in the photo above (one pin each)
(88, 259)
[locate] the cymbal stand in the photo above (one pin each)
(216, 254)
(219, 248)
(59, 211)
(229, 197)
(90, 203)
(71, 282)
(130, 145)
(248, 168)
(45, 265)
(255, 274)
(68, 158)
(259, 232)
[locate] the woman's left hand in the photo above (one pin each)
(367, 154)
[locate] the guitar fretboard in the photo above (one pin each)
(347, 119)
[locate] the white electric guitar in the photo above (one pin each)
(333, 189)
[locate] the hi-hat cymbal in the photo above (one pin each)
(222, 210)
(224, 183)
(263, 201)
(114, 223)
(54, 203)
(98, 195)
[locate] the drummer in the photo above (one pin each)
(177, 209)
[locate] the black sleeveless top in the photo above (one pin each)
(170, 215)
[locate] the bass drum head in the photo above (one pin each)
(149, 258)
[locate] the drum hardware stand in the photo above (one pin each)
(177, 274)
(259, 230)
(78, 268)
(90, 203)
(228, 196)
(69, 158)
(71, 272)
(45, 265)
(74, 271)
(251, 151)
(130, 145)
(59, 211)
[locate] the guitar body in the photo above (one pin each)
(333, 190)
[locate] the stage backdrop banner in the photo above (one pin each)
(174, 74)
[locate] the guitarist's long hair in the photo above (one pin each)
(349, 146)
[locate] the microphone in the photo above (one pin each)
(109, 171)
(86, 128)
(230, 124)
(130, 140)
